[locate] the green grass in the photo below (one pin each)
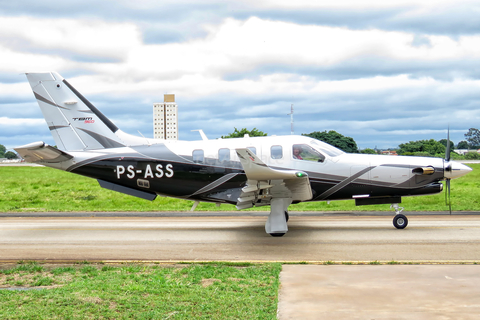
(41, 189)
(210, 291)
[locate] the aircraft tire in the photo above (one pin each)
(286, 216)
(277, 234)
(400, 221)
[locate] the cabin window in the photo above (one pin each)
(276, 152)
(224, 155)
(306, 152)
(253, 149)
(198, 156)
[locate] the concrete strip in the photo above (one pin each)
(379, 292)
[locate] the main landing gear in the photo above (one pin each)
(280, 234)
(276, 225)
(400, 221)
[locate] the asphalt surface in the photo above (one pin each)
(232, 214)
(335, 237)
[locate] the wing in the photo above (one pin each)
(265, 183)
(41, 152)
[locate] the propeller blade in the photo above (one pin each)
(449, 193)
(447, 168)
(446, 192)
(447, 150)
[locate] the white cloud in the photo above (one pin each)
(20, 62)
(89, 37)
(16, 90)
(355, 4)
(4, 121)
(236, 46)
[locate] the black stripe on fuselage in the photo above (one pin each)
(215, 183)
(342, 184)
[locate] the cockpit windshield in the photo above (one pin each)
(314, 151)
(307, 152)
(326, 148)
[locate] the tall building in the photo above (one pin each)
(165, 118)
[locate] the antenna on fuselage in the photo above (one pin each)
(202, 134)
(148, 142)
(291, 119)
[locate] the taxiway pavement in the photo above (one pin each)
(240, 238)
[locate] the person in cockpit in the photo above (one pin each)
(296, 152)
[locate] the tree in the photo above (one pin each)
(368, 151)
(473, 138)
(462, 145)
(336, 139)
(10, 155)
(444, 142)
(472, 155)
(2, 151)
(423, 148)
(240, 134)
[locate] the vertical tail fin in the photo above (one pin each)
(74, 122)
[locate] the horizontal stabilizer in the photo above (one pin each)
(42, 152)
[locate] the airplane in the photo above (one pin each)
(274, 171)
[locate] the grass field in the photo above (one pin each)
(84, 291)
(41, 189)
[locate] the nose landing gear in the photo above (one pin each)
(400, 221)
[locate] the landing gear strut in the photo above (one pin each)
(400, 221)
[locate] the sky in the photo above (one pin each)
(381, 72)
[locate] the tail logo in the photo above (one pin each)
(85, 119)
